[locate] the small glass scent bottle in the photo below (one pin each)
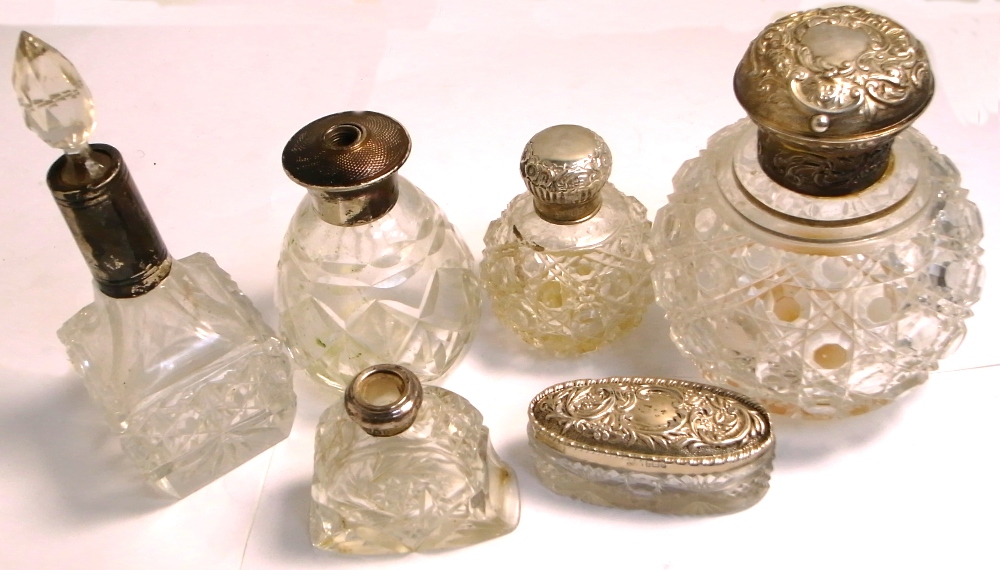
(179, 360)
(371, 270)
(822, 257)
(402, 467)
(566, 264)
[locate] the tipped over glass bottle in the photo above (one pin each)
(566, 264)
(181, 363)
(402, 467)
(371, 269)
(821, 256)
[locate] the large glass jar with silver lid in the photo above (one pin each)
(821, 256)
(371, 270)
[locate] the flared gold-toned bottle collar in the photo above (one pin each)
(348, 161)
(829, 88)
(655, 425)
(384, 399)
(565, 167)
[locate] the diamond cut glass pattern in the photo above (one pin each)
(437, 485)
(810, 334)
(572, 288)
(57, 103)
(400, 289)
(189, 375)
(667, 493)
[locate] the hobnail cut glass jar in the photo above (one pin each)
(568, 286)
(398, 286)
(817, 305)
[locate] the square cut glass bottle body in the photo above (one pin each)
(189, 375)
(400, 289)
(812, 328)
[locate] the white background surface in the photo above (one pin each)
(201, 96)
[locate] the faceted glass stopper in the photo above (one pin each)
(57, 104)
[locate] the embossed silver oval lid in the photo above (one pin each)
(655, 425)
(838, 73)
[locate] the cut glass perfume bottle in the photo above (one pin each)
(371, 270)
(181, 363)
(402, 468)
(822, 257)
(567, 264)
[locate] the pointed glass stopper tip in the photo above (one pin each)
(57, 104)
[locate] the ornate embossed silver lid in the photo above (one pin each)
(652, 425)
(565, 167)
(384, 399)
(829, 89)
(348, 161)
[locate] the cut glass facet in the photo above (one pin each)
(188, 374)
(400, 289)
(667, 493)
(437, 485)
(570, 288)
(807, 332)
(57, 104)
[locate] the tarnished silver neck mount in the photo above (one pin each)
(110, 222)
(565, 167)
(829, 89)
(384, 399)
(348, 162)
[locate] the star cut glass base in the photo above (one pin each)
(188, 374)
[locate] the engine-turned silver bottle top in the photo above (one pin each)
(829, 88)
(384, 399)
(565, 167)
(348, 161)
(651, 425)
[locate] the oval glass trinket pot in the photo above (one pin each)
(663, 445)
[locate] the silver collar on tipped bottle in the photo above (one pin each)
(90, 183)
(384, 399)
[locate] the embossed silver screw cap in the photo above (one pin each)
(565, 167)
(348, 162)
(384, 399)
(829, 89)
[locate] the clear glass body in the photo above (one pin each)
(811, 328)
(573, 288)
(667, 493)
(437, 485)
(401, 289)
(188, 375)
